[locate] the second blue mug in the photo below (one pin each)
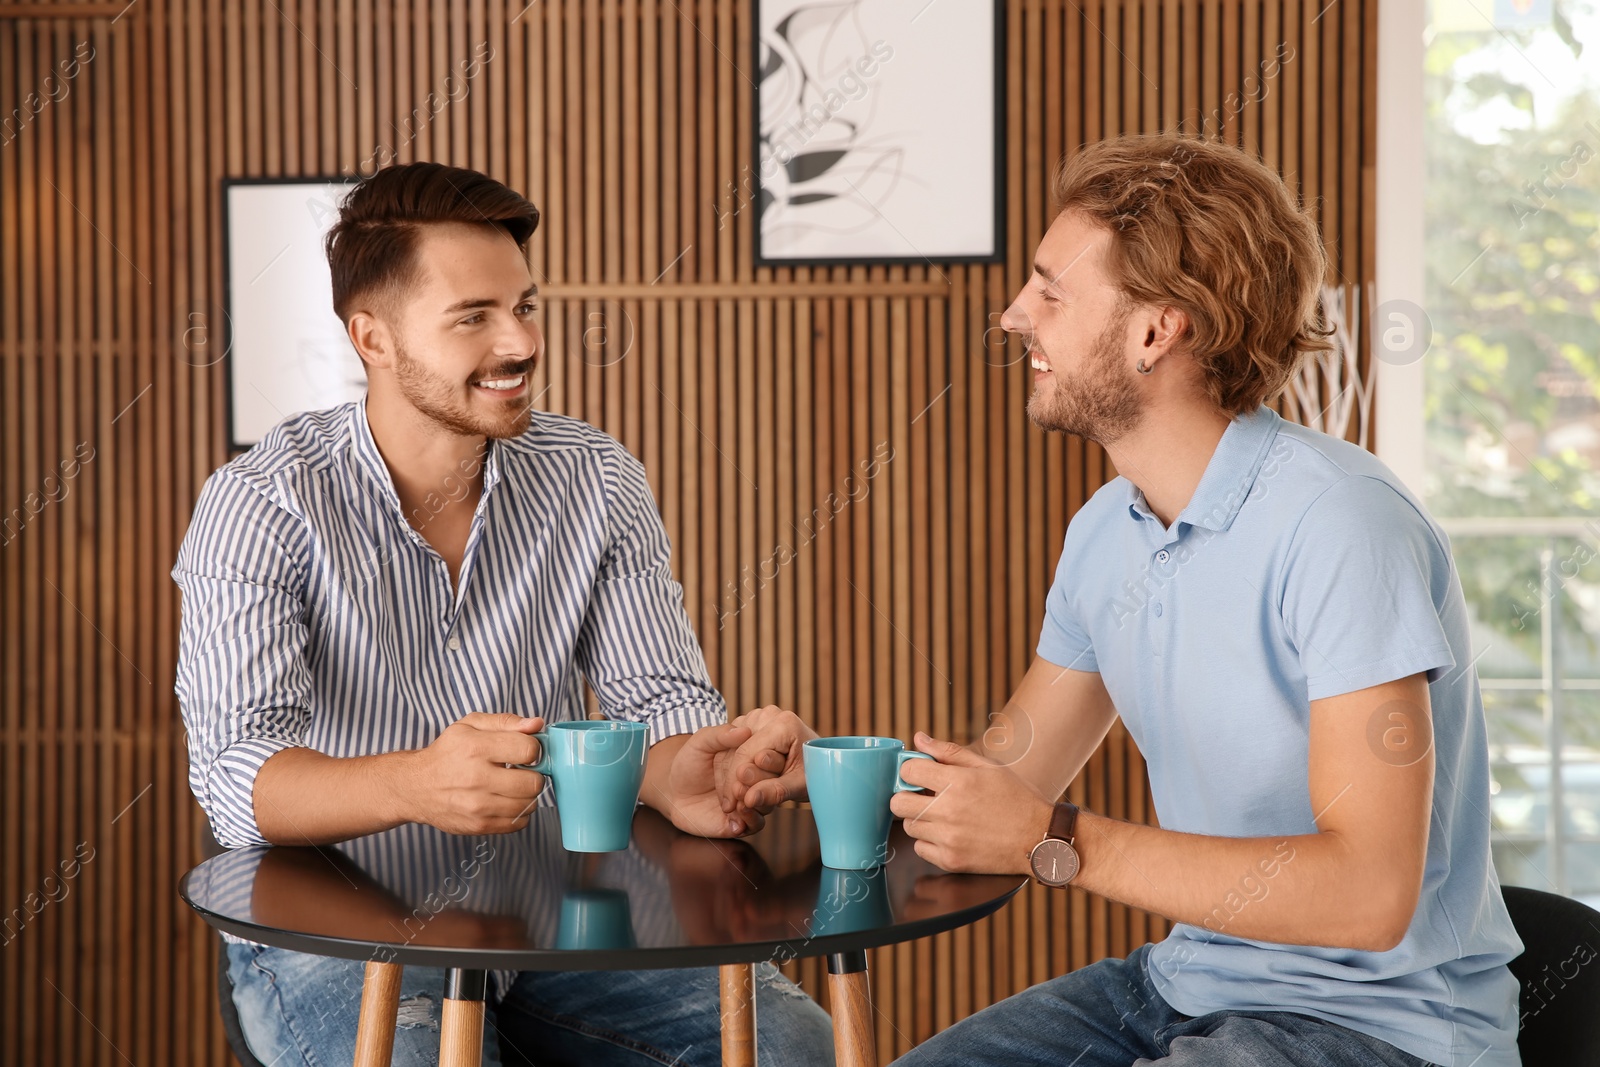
(596, 768)
(850, 780)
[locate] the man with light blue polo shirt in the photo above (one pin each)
(1281, 629)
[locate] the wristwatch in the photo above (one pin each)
(1054, 861)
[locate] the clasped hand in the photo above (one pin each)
(726, 779)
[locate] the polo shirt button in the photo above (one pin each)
(1163, 556)
(1158, 609)
(454, 644)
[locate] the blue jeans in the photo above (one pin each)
(298, 1009)
(1109, 1015)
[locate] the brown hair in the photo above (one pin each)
(372, 248)
(1202, 226)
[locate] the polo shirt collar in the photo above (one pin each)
(1229, 476)
(367, 455)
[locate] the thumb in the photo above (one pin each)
(724, 738)
(768, 794)
(948, 752)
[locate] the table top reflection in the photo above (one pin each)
(419, 896)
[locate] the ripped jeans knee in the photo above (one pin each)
(418, 1010)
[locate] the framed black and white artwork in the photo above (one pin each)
(284, 348)
(877, 132)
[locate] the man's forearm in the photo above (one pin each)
(1304, 889)
(303, 797)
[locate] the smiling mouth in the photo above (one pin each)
(1037, 362)
(502, 386)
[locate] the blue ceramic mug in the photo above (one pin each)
(850, 780)
(596, 768)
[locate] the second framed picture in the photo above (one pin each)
(878, 132)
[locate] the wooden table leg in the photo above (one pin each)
(738, 1014)
(461, 1023)
(855, 1042)
(380, 1007)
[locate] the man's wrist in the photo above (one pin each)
(1037, 824)
(396, 781)
(1054, 860)
(655, 792)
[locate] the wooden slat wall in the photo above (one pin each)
(749, 394)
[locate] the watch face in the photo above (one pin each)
(1054, 861)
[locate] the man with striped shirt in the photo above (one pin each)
(382, 602)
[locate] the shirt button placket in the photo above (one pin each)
(1165, 571)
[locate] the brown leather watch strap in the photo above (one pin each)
(1064, 822)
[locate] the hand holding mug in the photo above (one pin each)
(981, 818)
(468, 782)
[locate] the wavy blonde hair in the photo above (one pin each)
(1202, 226)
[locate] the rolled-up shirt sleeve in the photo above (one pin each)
(242, 680)
(637, 647)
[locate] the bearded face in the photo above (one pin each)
(465, 336)
(493, 402)
(1084, 389)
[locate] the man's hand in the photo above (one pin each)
(687, 786)
(464, 783)
(769, 768)
(687, 792)
(982, 817)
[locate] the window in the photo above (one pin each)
(1510, 442)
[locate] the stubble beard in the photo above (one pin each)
(433, 396)
(1099, 403)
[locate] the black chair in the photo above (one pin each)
(1559, 971)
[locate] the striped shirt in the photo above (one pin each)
(315, 615)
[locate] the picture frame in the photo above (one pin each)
(285, 351)
(868, 147)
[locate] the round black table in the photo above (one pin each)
(504, 903)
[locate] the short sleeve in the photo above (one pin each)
(1364, 580)
(1063, 639)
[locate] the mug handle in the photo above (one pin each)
(900, 784)
(542, 764)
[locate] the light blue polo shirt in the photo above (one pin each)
(1301, 569)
